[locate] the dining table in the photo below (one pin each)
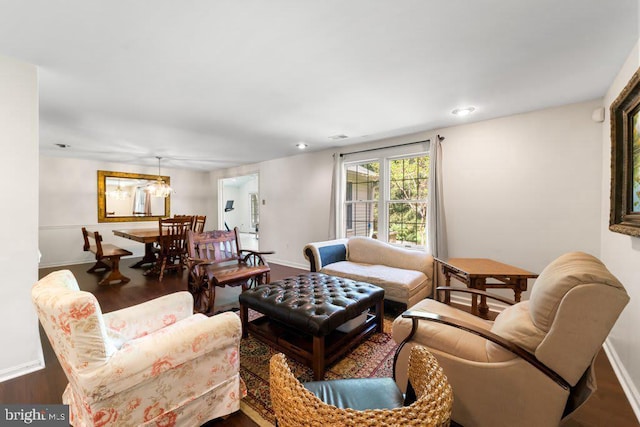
(148, 236)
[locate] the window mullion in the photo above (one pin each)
(383, 216)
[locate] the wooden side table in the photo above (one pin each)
(474, 272)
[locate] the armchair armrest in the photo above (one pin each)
(194, 263)
(154, 354)
(148, 317)
(320, 254)
(258, 252)
(416, 316)
(478, 292)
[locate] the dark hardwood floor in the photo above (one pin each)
(607, 407)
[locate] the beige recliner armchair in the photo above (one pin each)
(154, 363)
(533, 365)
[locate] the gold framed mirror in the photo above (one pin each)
(122, 197)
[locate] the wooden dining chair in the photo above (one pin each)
(192, 221)
(173, 247)
(198, 223)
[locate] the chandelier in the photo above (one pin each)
(118, 193)
(159, 188)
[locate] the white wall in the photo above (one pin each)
(21, 352)
(621, 254)
(524, 189)
(68, 201)
(521, 189)
(296, 192)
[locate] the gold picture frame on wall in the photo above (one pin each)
(625, 160)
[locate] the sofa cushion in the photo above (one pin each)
(561, 276)
(399, 284)
(325, 252)
(365, 250)
(333, 253)
(359, 394)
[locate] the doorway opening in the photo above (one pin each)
(240, 207)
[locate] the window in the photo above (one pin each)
(254, 211)
(407, 202)
(361, 199)
(387, 199)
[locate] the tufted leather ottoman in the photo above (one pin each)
(301, 314)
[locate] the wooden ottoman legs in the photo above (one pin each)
(318, 362)
(379, 315)
(244, 319)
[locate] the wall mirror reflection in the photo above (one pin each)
(124, 197)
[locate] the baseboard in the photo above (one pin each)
(23, 369)
(626, 383)
(84, 261)
(63, 263)
(286, 263)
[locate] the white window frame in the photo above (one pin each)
(384, 157)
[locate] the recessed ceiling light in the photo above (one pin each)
(301, 145)
(63, 145)
(463, 111)
(340, 136)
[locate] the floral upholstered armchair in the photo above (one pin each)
(154, 363)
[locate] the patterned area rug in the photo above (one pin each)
(372, 358)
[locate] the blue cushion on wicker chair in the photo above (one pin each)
(358, 393)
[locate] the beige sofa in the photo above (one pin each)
(404, 274)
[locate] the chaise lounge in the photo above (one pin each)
(404, 274)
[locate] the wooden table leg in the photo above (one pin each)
(148, 258)
(521, 286)
(482, 307)
(115, 274)
(447, 282)
(318, 358)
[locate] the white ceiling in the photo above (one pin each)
(216, 83)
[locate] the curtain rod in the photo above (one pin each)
(441, 138)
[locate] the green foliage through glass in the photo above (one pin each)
(407, 208)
